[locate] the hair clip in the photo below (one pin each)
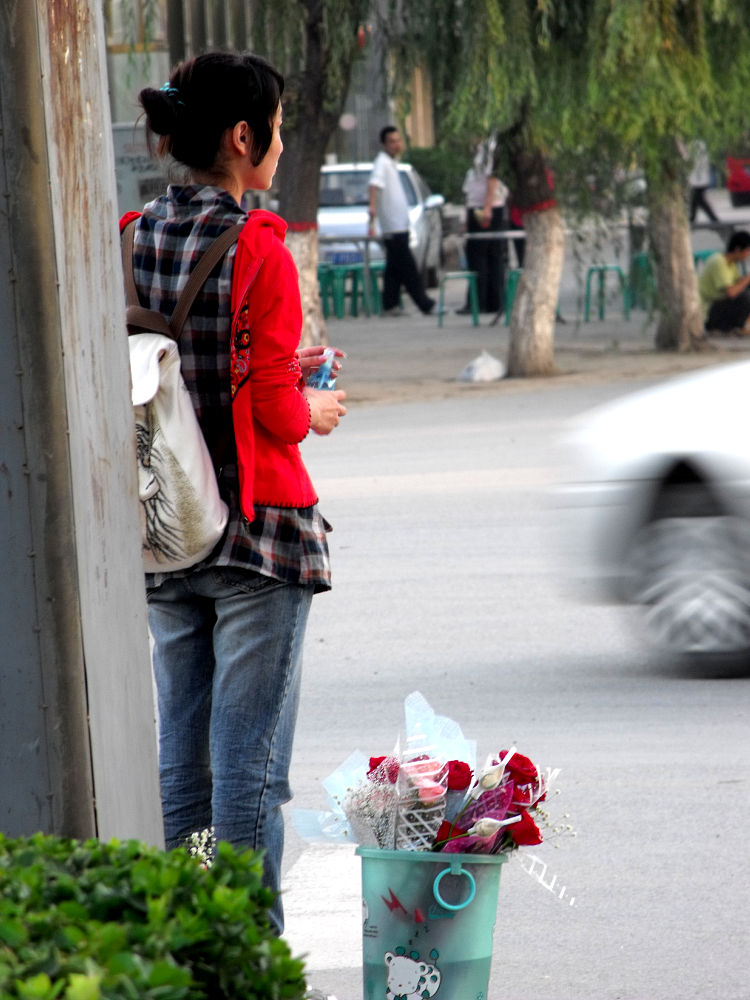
(171, 91)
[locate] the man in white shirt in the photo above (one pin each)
(388, 203)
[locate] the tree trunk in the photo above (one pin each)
(532, 323)
(198, 27)
(313, 100)
(680, 326)
(238, 24)
(219, 24)
(299, 180)
(304, 247)
(175, 31)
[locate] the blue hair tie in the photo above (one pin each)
(171, 91)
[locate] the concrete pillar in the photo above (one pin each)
(77, 735)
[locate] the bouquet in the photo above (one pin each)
(429, 795)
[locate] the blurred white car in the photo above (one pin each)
(342, 212)
(663, 482)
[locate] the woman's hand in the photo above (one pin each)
(310, 357)
(326, 408)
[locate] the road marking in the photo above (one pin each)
(322, 894)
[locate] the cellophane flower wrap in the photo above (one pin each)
(428, 795)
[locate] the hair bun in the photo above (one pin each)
(161, 107)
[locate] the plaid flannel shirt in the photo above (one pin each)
(288, 544)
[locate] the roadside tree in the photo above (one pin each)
(314, 43)
(489, 66)
(590, 82)
(661, 71)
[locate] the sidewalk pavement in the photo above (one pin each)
(391, 359)
(395, 359)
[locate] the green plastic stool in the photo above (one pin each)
(642, 281)
(470, 277)
(701, 256)
(377, 268)
(339, 274)
(601, 271)
(325, 288)
(357, 293)
(510, 291)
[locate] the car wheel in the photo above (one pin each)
(688, 568)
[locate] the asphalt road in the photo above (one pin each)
(453, 567)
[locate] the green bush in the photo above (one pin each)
(442, 169)
(85, 920)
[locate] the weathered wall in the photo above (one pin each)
(80, 639)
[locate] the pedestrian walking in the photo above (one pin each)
(389, 206)
(699, 180)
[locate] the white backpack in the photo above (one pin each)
(182, 514)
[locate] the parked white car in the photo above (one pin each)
(342, 212)
(663, 484)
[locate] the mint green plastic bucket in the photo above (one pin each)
(428, 921)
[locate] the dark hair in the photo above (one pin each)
(207, 95)
(738, 241)
(385, 131)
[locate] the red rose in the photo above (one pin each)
(529, 795)
(525, 832)
(520, 768)
(459, 775)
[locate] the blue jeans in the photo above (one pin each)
(227, 662)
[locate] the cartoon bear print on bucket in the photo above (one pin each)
(409, 978)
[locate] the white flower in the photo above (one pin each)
(492, 776)
(484, 827)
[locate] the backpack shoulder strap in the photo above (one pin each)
(200, 273)
(137, 317)
(140, 318)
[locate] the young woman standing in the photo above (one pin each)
(228, 632)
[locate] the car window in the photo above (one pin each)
(422, 189)
(411, 194)
(343, 187)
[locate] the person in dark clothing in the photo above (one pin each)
(485, 213)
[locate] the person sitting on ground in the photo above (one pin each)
(724, 291)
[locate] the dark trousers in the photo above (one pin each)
(729, 314)
(401, 269)
(698, 200)
(487, 258)
(520, 245)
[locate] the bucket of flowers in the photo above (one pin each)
(432, 831)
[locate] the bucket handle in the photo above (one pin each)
(454, 871)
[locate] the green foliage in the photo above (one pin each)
(298, 34)
(123, 921)
(602, 87)
(478, 68)
(443, 169)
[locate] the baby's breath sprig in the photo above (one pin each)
(202, 846)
